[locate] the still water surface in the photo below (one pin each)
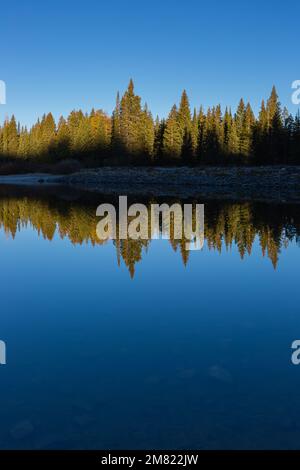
(142, 344)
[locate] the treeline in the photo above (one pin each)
(131, 135)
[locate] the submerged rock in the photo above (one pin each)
(219, 373)
(22, 429)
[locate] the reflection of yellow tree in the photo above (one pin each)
(131, 252)
(226, 224)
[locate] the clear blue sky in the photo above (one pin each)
(61, 55)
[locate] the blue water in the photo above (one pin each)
(195, 356)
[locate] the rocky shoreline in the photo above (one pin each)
(264, 183)
(257, 183)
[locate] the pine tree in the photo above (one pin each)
(240, 127)
(10, 138)
(147, 133)
(247, 145)
(130, 118)
(201, 136)
(194, 133)
(212, 140)
(116, 142)
(48, 130)
(260, 135)
(219, 129)
(24, 144)
(172, 140)
(159, 130)
(275, 126)
(231, 141)
(63, 140)
(296, 140)
(100, 125)
(187, 148)
(185, 126)
(288, 133)
(74, 122)
(83, 138)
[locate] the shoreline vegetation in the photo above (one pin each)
(131, 137)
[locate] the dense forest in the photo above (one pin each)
(226, 225)
(132, 136)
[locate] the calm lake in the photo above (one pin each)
(142, 344)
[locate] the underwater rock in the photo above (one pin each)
(22, 429)
(219, 373)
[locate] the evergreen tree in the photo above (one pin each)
(83, 138)
(212, 139)
(275, 126)
(130, 121)
(187, 149)
(231, 141)
(260, 135)
(185, 126)
(172, 140)
(194, 133)
(63, 143)
(240, 118)
(159, 130)
(100, 125)
(147, 133)
(200, 152)
(271, 138)
(24, 144)
(296, 140)
(116, 143)
(48, 130)
(10, 138)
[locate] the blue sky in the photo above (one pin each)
(61, 55)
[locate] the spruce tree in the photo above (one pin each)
(48, 130)
(130, 121)
(296, 140)
(159, 130)
(147, 133)
(100, 133)
(212, 136)
(63, 144)
(10, 138)
(185, 126)
(194, 133)
(260, 135)
(83, 138)
(116, 143)
(201, 136)
(275, 127)
(231, 141)
(172, 140)
(24, 144)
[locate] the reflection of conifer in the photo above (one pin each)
(225, 224)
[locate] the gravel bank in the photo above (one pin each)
(259, 183)
(256, 183)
